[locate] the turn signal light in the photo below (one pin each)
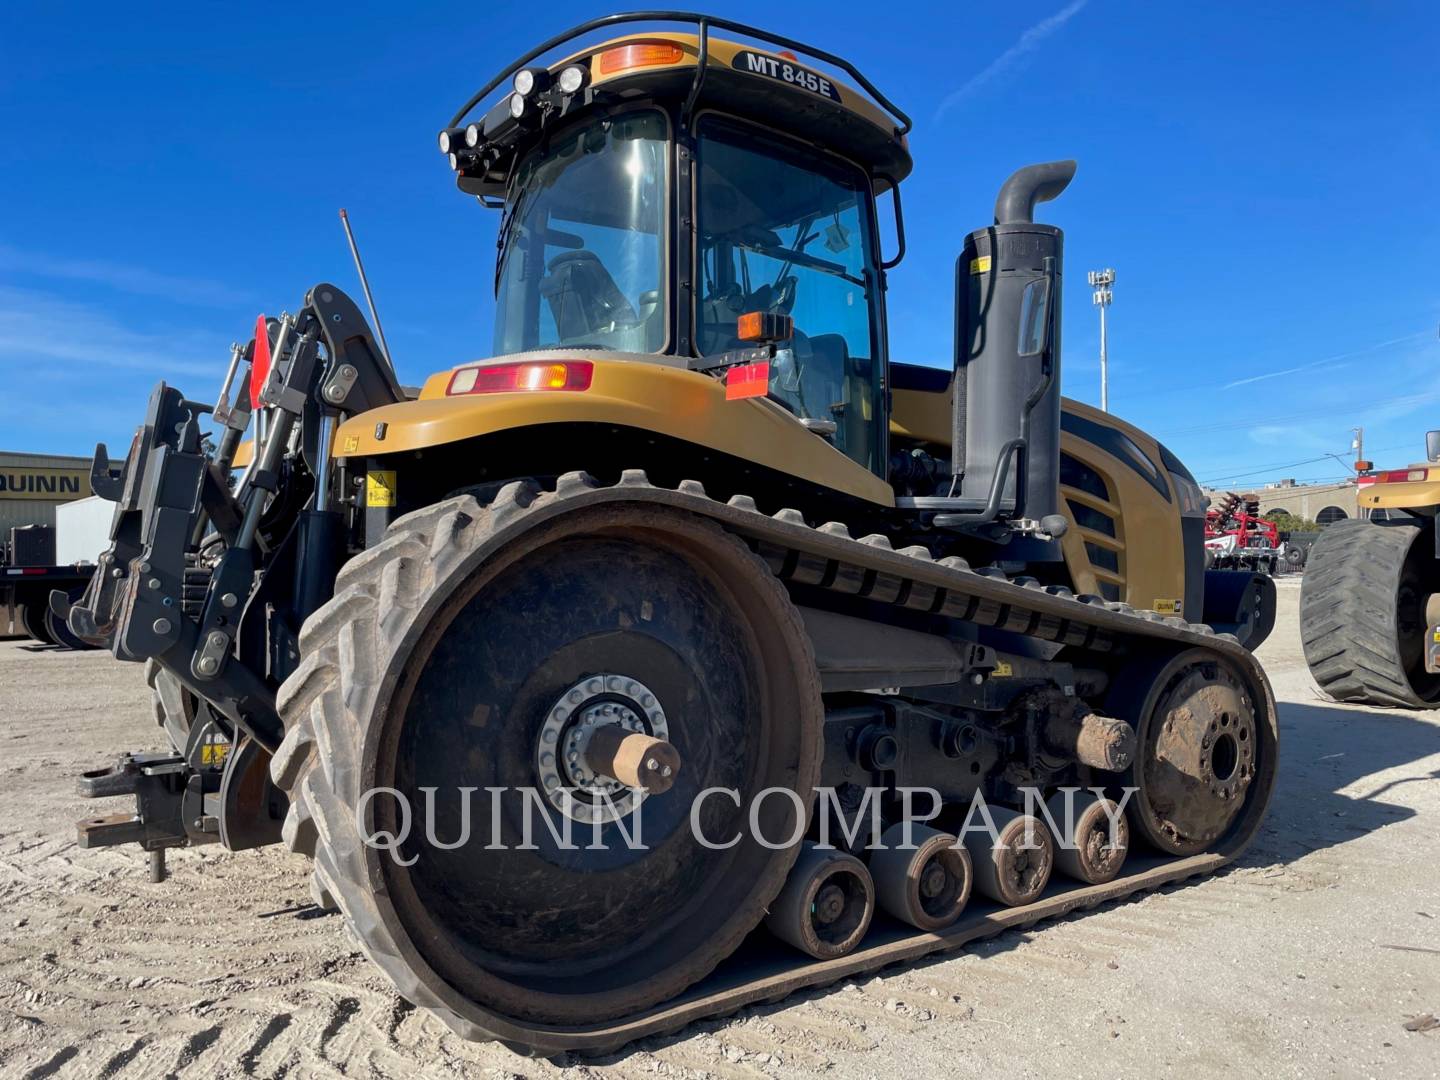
(764, 326)
(519, 378)
(1403, 476)
(648, 54)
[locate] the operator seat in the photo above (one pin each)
(583, 297)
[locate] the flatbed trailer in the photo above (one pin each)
(25, 598)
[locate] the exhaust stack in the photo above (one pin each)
(1007, 354)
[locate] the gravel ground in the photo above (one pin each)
(1306, 959)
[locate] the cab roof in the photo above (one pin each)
(768, 83)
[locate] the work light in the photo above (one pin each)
(572, 79)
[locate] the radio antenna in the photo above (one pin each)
(365, 284)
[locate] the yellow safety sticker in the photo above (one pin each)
(214, 753)
(380, 488)
(980, 265)
(352, 443)
(1168, 607)
(1003, 670)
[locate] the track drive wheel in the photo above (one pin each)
(1362, 613)
(1202, 756)
(469, 651)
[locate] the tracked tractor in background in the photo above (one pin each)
(688, 557)
(1370, 601)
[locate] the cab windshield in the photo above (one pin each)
(581, 262)
(786, 231)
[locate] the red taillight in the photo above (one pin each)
(522, 377)
(1402, 476)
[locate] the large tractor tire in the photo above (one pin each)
(456, 654)
(1362, 613)
(173, 705)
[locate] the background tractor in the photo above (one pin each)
(688, 530)
(1370, 601)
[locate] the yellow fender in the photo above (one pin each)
(637, 394)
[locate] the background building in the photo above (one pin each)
(1324, 504)
(33, 485)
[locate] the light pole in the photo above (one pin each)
(1100, 281)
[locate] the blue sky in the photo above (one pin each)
(1263, 184)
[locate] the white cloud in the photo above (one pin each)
(38, 329)
(1027, 42)
(1328, 362)
(120, 277)
(76, 375)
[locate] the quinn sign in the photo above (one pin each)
(54, 485)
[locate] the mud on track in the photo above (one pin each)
(1306, 959)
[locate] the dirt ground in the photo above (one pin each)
(1306, 959)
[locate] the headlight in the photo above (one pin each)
(530, 80)
(572, 78)
(1192, 500)
(517, 105)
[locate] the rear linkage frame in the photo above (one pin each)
(182, 587)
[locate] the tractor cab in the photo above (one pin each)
(658, 189)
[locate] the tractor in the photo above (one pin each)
(688, 555)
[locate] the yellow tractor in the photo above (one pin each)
(1370, 601)
(658, 664)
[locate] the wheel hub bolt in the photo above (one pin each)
(829, 903)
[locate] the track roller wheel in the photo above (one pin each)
(1014, 871)
(483, 648)
(1099, 840)
(927, 885)
(826, 905)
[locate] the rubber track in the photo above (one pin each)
(347, 645)
(1347, 613)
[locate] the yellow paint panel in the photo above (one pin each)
(1154, 565)
(1423, 493)
(640, 394)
